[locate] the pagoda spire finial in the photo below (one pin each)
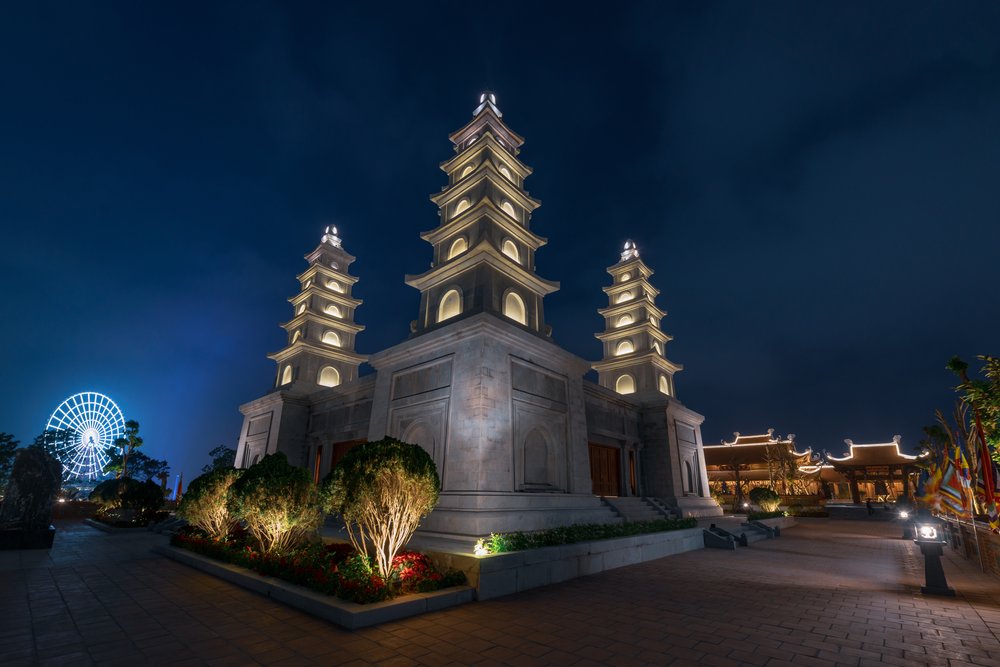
(487, 99)
(330, 236)
(630, 251)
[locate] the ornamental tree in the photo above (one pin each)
(124, 447)
(278, 502)
(206, 503)
(766, 498)
(983, 397)
(382, 489)
(222, 457)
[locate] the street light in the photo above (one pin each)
(927, 535)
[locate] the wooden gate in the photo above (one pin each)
(605, 470)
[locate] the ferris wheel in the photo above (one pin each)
(88, 423)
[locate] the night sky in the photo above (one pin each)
(814, 184)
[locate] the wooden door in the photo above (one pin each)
(605, 471)
(341, 448)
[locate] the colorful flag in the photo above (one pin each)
(962, 467)
(931, 485)
(951, 492)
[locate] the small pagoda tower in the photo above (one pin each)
(634, 358)
(321, 334)
(484, 250)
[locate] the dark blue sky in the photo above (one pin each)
(815, 185)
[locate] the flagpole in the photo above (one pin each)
(975, 531)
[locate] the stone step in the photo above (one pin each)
(634, 509)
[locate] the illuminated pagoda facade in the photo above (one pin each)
(322, 331)
(520, 439)
(634, 345)
(483, 249)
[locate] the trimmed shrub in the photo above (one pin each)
(765, 498)
(144, 497)
(109, 493)
(382, 489)
(279, 503)
(205, 504)
(127, 501)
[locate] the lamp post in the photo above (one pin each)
(927, 535)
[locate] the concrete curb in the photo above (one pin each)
(117, 530)
(503, 574)
(345, 614)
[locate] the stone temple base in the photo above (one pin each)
(476, 513)
(27, 538)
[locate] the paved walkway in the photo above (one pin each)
(826, 593)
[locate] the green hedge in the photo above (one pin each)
(584, 532)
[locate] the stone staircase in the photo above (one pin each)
(634, 509)
(730, 536)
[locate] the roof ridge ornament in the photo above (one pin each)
(629, 251)
(330, 236)
(487, 99)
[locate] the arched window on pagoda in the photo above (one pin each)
(513, 307)
(625, 384)
(458, 246)
(450, 305)
(328, 377)
(509, 248)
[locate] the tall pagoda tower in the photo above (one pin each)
(634, 358)
(484, 250)
(322, 332)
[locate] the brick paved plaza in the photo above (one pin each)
(827, 592)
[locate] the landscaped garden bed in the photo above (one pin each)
(349, 615)
(258, 527)
(330, 569)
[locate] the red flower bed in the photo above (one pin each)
(333, 569)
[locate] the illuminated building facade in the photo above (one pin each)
(879, 471)
(520, 439)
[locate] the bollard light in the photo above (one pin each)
(928, 537)
(904, 516)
